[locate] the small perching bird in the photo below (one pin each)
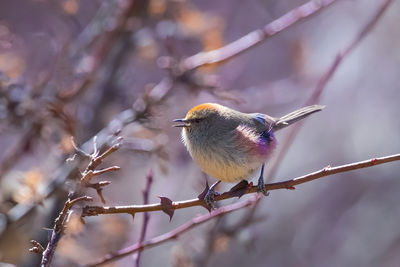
(230, 145)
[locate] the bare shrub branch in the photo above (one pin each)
(288, 184)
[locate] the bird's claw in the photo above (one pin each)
(261, 184)
(209, 198)
(261, 187)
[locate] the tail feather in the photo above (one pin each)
(295, 116)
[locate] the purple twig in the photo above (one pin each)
(146, 216)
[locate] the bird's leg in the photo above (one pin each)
(209, 197)
(261, 184)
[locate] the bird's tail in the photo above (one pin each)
(296, 115)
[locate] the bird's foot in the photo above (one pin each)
(209, 197)
(261, 187)
(261, 184)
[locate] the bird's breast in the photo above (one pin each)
(234, 157)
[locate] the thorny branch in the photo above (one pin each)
(61, 220)
(95, 161)
(58, 230)
(288, 184)
(155, 241)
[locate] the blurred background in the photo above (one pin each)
(80, 68)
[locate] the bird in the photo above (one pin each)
(230, 145)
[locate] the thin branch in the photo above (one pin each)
(95, 161)
(253, 38)
(99, 188)
(289, 184)
(174, 234)
(58, 230)
(78, 149)
(315, 97)
(37, 247)
(146, 216)
(60, 222)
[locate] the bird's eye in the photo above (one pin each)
(197, 120)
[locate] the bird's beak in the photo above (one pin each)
(183, 123)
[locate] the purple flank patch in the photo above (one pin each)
(266, 142)
(257, 144)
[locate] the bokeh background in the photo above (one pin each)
(74, 67)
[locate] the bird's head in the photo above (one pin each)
(201, 116)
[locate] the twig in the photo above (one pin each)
(146, 216)
(61, 220)
(95, 161)
(155, 241)
(288, 184)
(37, 247)
(65, 170)
(58, 230)
(99, 188)
(253, 38)
(315, 97)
